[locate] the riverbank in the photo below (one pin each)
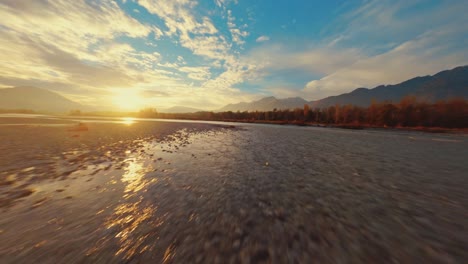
(347, 126)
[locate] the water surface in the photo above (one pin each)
(256, 193)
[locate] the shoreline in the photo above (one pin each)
(343, 126)
(67, 120)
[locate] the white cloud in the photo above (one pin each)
(421, 56)
(197, 73)
(224, 3)
(316, 59)
(236, 33)
(52, 36)
(73, 47)
(380, 44)
(263, 39)
(198, 36)
(416, 45)
(181, 60)
(205, 40)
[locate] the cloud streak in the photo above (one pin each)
(262, 39)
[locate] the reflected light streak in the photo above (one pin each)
(131, 217)
(128, 217)
(133, 177)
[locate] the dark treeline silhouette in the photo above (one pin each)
(407, 113)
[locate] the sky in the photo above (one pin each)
(131, 54)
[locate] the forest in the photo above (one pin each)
(409, 112)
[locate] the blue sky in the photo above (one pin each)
(130, 54)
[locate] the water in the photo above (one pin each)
(257, 193)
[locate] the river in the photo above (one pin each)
(211, 193)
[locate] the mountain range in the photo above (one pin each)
(180, 110)
(266, 104)
(443, 85)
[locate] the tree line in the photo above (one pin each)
(409, 112)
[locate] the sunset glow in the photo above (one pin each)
(205, 54)
(128, 120)
(128, 100)
(233, 131)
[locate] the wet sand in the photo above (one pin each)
(55, 148)
(157, 192)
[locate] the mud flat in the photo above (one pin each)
(153, 192)
(34, 150)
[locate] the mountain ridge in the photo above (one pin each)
(440, 86)
(443, 85)
(180, 110)
(266, 104)
(37, 99)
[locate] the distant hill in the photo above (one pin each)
(180, 110)
(443, 85)
(37, 99)
(266, 104)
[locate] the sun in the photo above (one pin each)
(128, 100)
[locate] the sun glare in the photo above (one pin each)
(128, 120)
(128, 100)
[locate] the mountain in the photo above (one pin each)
(266, 104)
(443, 85)
(180, 110)
(33, 98)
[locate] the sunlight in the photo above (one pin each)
(128, 100)
(128, 120)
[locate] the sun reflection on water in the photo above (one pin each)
(128, 218)
(131, 217)
(134, 177)
(128, 121)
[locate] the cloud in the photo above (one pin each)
(33, 33)
(379, 42)
(413, 45)
(197, 73)
(315, 59)
(154, 93)
(72, 47)
(202, 38)
(224, 3)
(198, 35)
(181, 59)
(263, 39)
(236, 33)
(77, 49)
(421, 56)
